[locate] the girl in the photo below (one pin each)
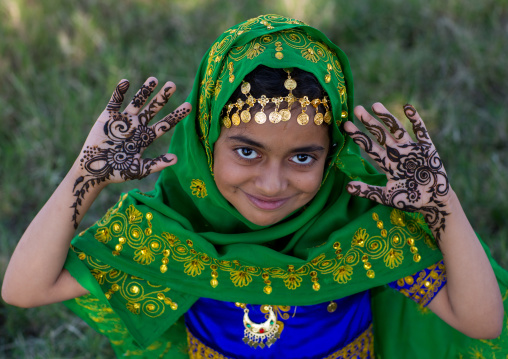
(272, 237)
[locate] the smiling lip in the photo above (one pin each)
(267, 204)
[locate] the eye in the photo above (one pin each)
(302, 159)
(246, 153)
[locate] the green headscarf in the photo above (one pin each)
(154, 254)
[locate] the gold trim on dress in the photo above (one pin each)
(362, 347)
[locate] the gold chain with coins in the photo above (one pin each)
(243, 114)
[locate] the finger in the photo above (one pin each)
(371, 124)
(396, 129)
(152, 165)
(118, 96)
(172, 119)
(419, 128)
(157, 103)
(141, 96)
(360, 189)
(375, 151)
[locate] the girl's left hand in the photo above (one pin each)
(417, 180)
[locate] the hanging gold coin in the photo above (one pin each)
(290, 84)
(302, 119)
(245, 88)
(227, 122)
(235, 119)
(285, 114)
(328, 117)
(245, 116)
(318, 119)
(260, 117)
(275, 117)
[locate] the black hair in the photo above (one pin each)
(270, 82)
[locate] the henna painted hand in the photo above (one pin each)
(112, 152)
(417, 180)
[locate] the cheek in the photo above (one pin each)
(309, 182)
(227, 174)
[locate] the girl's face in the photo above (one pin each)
(267, 171)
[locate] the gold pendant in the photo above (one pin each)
(303, 119)
(328, 117)
(235, 119)
(256, 334)
(285, 114)
(318, 119)
(245, 116)
(275, 117)
(260, 118)
(290, 84)
(227, 122)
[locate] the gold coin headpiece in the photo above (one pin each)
(243, 114)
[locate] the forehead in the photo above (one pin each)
(283, 136)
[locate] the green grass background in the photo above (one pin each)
(60, 61)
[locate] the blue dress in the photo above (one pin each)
(337, 329)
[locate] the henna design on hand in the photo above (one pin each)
(142, 95)
(114, 155)
(418, 128)
(391, 122)
(376, 130)
(417, 180)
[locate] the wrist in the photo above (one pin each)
(451, 203)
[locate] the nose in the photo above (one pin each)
(271, 180)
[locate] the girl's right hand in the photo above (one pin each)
(112, 151)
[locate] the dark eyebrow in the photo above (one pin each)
(248, 141)
(311, 148)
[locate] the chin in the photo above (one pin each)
(261, 220)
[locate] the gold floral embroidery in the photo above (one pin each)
(218, 87)
(343, 274)
(139, 295)
(107, 322)
(339, 260)
(198, 188)
(98, 275)
(103, 235)
(360, 237)
(255, 50)
(240, 278)
(309, 54)
(133, 214)
(194, 266)
(393, 258)
(292, 281)
(144, 256)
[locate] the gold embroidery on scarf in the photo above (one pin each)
(426, 285)
(198, 188)
(140, 296)
(107, 322)
(365, 250)
(361, 347)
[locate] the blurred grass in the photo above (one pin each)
(60, 61)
